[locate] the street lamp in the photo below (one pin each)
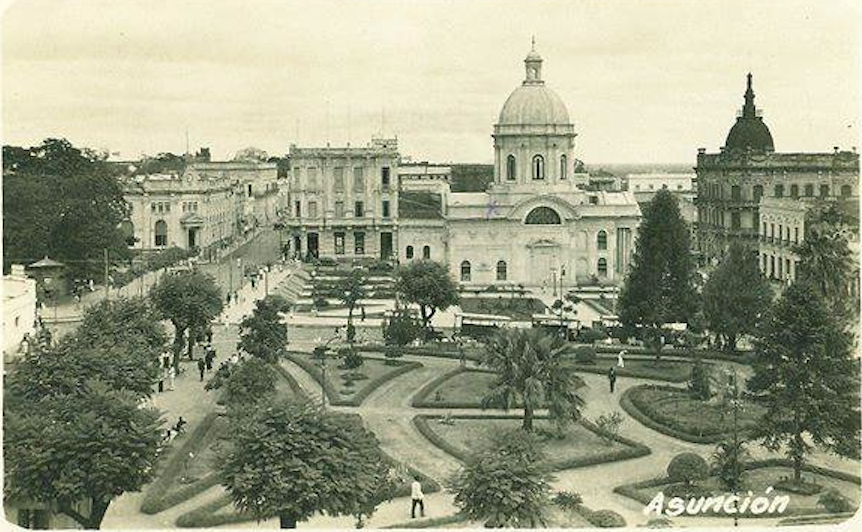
(554, 280)
(321, 350)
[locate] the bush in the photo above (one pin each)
(698, 385)
(568, 500)
(402, 329)
(603, 518)
(351, 359)
(832, 501)
(590, 335)
(585, 354)
(609, 425)
(687, 468)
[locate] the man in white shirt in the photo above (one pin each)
(418, 498)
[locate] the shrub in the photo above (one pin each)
(687, 468)
(605, 519)
(402, 329)
(590, 335)
(568, 500)
(832, 501)
(585, 354)
(352, 360)
(609, 425)
(698, 385)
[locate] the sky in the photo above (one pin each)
(644, 81)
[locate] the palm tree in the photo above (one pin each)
(531, 371)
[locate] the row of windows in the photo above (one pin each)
(190, 206)
(502, 270)
(736, 192)
(426, 252)
(338, 178)
(160, 206)
(781, 234)
(358, 243)
(537, 167)
(776, 268)
(358, 209)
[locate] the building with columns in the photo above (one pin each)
(535, 225)
(732, 183)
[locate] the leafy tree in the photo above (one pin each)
(351, 289)
(825, 259)
(728, 462)
(129, 319)
(263, 334)
(245, 383)
(736, 296)
(190, 300)
(531, 370)
(660, 284)
(427, 284)
(507, 485)
(65, 202)
(92, 445)
(401, 329)
(805, 376)
(687, 468)
(293, 460)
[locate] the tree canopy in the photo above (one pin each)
(805, 376)
(293, 460)
(427, 284)
(507, 484)
(63, 202)
(736, 296)
(531, 371)
(263, 334)
(660, 287)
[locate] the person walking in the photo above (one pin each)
(202, 366)
(362, 310)
(172, 375)
(612, 378)
(210, 356)
(620, 360)
(417, 497)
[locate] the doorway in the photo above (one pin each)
(313, 249)
(385, 245)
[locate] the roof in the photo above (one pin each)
(534, 104)
(749, 131)
(46, 263)
(420, 205)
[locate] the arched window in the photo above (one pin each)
(161, 231)
(501, 270)
(409, 252)
(426, 252)
(564, 171)
(602, 240)
(543, 216)
(603, 267)
(538, 167)
(511, 174)
(465, 271)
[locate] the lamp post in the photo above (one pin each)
(554, 280)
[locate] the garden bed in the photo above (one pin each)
(758, 476)
(582, 444)
(674, 412)
(376, 370)
(664, 370)
(517, 308)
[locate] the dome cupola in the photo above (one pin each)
(533, 104)
(749, 131)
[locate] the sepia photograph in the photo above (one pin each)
(341, 264)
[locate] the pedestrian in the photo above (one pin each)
(253, 281)
(228, 299)
(202, 366)
(210, 356)
(417, 497)
(209, 335)
(166, 360)
(620, 360)
(612, 378)
(172, 375)
(161, 387)
(180, 426)
(362, 310)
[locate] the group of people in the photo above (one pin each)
(205, 363)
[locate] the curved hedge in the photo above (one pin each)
(420, 400)
(633, 490)
(633, 449)
(743, 357)
(432, 522)
(332, 394)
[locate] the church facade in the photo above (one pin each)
(538, 224)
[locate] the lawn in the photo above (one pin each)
(666, 370)
(518, 308)
(757, 479)
(461, 388)
(579, 445)
(351, 386)
(673, 411)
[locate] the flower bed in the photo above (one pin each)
(376, 369)
(673, 412)
(759, 476)
(582, 446)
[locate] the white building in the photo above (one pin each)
(655, 181)
(19, 310)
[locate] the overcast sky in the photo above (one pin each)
(644, 81)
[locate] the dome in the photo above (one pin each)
(533, 104)
(749, 131)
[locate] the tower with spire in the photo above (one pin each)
(749, 132)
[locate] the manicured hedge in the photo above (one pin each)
(643, 418)
(157, 497)
(433, 522)
(642, 373)
(335, 398)
(742, 357)
(633, 450)
(633, 490)
(420, 400)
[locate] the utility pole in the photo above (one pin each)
(107, 286)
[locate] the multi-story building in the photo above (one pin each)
(343, 202)
(731, 183)
(19, 310)
(424, 176)
(682, 186)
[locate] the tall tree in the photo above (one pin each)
(65, 202)
(805, 375)
(506, 485)
(292, 460)
(825, 259)
(427, 284)
(660, 287)
(263, 334)
(736, 296)
(190, 300)
(531, 371)
(352, 289)
(134, 319)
